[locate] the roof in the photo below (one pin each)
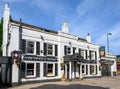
(34, 27)
(81, 39)
(41, 29)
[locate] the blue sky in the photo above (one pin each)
(96, 17)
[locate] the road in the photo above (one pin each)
(92, 83)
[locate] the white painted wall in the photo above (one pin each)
(6, 17)
(113, 67)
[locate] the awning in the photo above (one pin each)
(75, 57)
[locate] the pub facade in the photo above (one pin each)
(46, 55)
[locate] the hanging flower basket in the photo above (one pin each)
(62, 64)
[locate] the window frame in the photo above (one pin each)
(83, 69)
(69, 52)
(48, 44)
(93, 69)
(93, 55)
(53, 70)
(33, 49)
(34, 69)
(83, 53)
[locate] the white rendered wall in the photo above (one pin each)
(6, 17)
(113, 67)
(14, 45)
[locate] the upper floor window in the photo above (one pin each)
(93, 55)
(30, 47)
(68, 50)
(50, 49)
(83, 53)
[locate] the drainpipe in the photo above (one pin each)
(20, 48)
(7, 54)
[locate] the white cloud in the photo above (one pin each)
(47, 5)
(88, 6)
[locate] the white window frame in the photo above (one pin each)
(83, 53)
(28, 76)
(52, 49)
(83, 69)
(69, 51)
(94, 71)
(53, 70)
(27, 46)
(92, 54)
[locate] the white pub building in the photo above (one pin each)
(46, 55)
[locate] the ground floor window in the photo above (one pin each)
(92, 69)
(83, 69)
(50, 69)
(30, 69)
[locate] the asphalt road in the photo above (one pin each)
(94, 83)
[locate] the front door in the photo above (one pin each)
(67, 71)
(106, 70)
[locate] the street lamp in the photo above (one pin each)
(108, 40)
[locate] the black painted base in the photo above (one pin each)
(35, 81)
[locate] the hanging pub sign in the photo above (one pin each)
(102, 51)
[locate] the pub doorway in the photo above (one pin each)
(106, 70)
(67, 72)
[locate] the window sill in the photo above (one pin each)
(28, 77)
(51, 76)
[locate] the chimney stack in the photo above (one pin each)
(65, 28)
(88, 38)
(6, 18)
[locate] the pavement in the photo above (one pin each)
(91, 83)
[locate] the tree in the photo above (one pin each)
(1, 29)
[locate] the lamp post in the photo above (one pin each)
(108, 40)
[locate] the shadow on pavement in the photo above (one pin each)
(2, 87)
(71, 86)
